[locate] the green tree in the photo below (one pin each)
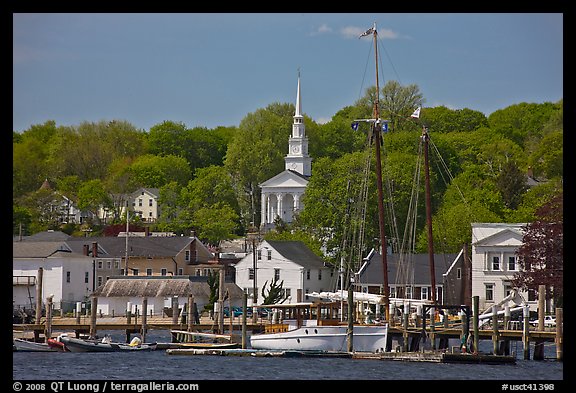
(541, 255)
(92, 195)
(155, 171)
(511, 183)
(274, 293)
(215, 223)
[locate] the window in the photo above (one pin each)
(276, 274)
(489, 292)
(116, 264)
(424, 293)
(187, 255)
(99, 280)
(135, 272)
(511, 263)
(67, 276)
(269, 255)
(393, 292)
(86, 277)
(148, 272)
(408, 292)
(150, 202)
(139, 202)
(250, 274)
(109, 264)
(163, 271)
(180, 271)
(495, 263)
(458, 273)
(99, 264)
(319, 274)
(308, 274)
(259, 254)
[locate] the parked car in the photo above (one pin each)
(236, 311)
(549, 321)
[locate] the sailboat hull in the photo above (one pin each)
(366, 338)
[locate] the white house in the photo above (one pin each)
(282, 194)
(494, 262)
(290, 262)
(67, 275)
(145, 203)
(161, 292)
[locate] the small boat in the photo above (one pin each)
(105, 345)
(183, 339)
(315, 327)
(21, 345)
(198, 345)
(57, 344)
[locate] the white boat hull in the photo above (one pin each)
(366, 338)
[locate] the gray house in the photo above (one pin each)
(409, 276)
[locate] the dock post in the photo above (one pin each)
(350, 331)
(93, 311)
(526, 332)
(432, 328)
(475, 308)
(174, 310)
(190, 315)
(465, 332)
(49, 302)
(144, 317)
(78, 312)
(244, 308)
(405, 326)
(559, 339)
(39, 278)
(495, 348)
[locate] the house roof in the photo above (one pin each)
(45, 249)
(147, 246)
(297, 252)
(46, 236)
(418, 265)
(160, 286)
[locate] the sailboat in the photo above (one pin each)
(320, 326)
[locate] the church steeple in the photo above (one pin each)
(298, 102)
(297, 158)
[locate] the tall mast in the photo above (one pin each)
(377, 134)
(425, 138)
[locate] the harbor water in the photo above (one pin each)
(159, 366)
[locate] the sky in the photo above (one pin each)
(213, 69)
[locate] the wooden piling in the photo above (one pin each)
(495, 348)
(244, 309)
(39, 279)
(559, 339)
(93, 311)
(144, 317)
(475, 309)
(526, 332)
(191, 313)
(48, 333)
(405, 327)
(174, 310)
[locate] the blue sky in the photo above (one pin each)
(212, 69)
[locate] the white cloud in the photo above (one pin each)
(322, 29)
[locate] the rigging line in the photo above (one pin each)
(410, 230)
(365, 70)
(389, 59)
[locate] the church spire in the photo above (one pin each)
(298, 102)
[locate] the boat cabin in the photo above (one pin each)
(286, 317)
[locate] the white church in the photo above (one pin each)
(282, 194)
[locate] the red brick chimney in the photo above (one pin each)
(95, 249)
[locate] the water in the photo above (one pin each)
(158, 366)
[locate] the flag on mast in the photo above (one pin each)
(416, 113)
(367, 32)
